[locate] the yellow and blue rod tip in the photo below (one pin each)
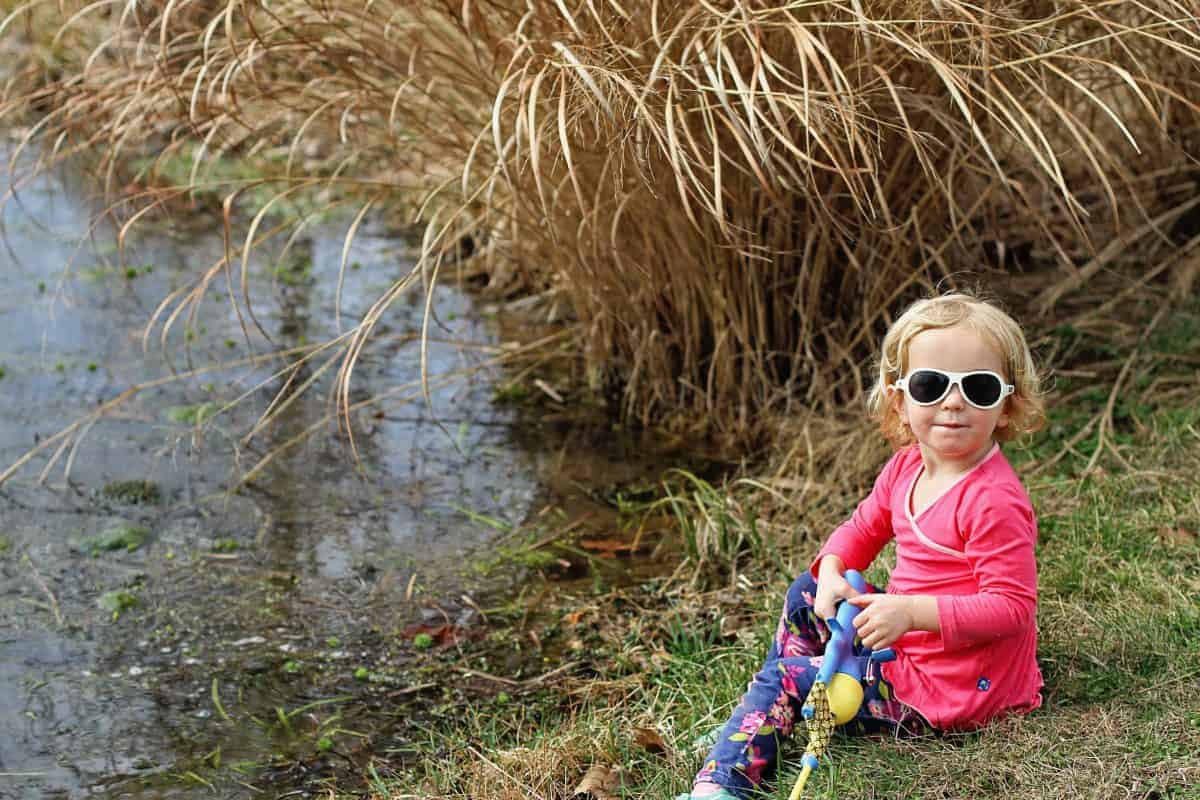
(798, 789)
(810, 763)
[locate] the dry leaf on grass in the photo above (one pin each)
(649, 740)
(598, 783)
(1169, 535)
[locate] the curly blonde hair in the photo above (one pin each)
(1026, 406)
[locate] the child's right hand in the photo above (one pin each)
(832, 586)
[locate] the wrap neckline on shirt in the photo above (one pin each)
(908, 502)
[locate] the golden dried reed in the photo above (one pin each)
(733, 197)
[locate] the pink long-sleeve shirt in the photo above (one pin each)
(972, 548)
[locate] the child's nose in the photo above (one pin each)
(953, 398)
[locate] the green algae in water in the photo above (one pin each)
(133, 492)
(117, 601)
(119, 537)
(5, 545)
(190, 415)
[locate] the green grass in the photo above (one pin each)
(1119, 633)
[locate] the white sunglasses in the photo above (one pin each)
(981, 388)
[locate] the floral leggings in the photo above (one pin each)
(747, 748)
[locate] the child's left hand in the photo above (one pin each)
(884, 618)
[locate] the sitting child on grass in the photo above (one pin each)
(955, 378)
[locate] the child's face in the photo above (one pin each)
(952, 430)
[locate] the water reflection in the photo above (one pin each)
(114, 708)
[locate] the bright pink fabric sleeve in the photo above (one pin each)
(859, 539)
(999, 537)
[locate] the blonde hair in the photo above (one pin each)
(1026, 407)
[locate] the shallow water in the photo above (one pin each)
(247, 606)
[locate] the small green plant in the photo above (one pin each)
(422, 641)
(511, 392)
(718, 527)
(133, 492)
(117, 602)
(119, 537)
(191, 415)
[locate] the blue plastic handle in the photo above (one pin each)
(839, 650)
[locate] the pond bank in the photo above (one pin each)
(166, 637)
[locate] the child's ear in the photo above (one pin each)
(896, 398)
(1002, 420)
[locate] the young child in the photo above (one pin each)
(955, 378)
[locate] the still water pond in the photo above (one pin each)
(172, 639)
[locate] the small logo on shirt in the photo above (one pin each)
(983, 685)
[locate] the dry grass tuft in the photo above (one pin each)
(732, 198)
(548, 769)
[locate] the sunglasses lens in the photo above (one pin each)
(982, 389)
(926, 386)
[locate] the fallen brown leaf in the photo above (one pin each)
(649, 740)
(1171, 535)
(443, 635)
(606, 548)
(598, 783)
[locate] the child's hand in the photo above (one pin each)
(832, 586)
(884, 618)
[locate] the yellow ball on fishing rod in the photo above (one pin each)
(845, 697)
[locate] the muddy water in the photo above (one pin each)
(247, 644)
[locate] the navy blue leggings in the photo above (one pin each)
(747, 749)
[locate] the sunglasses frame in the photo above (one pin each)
(956, 379)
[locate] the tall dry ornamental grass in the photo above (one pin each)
(732, 197)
